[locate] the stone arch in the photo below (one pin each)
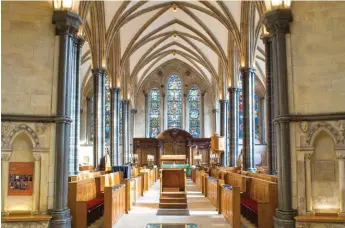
(329, 129)
(27, 130)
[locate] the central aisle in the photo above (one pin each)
(201, 211)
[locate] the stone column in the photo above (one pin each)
(202, 115)
(248, 119)
(309, 195)
(125, 133)
(224, 129)
(341, 160)
(5, 158)
(79, 45)
(147, 121)
(134, 112)
(215, 111)
(37, 178)
(67, 25)
(98, 110)
(269, 105)
(88, 123)
(114, 131)
(162, 109)
(233, 125)
(185, 113)
(277, 23)
(262, 118)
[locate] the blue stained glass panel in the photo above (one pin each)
(257, 116)
(120, 123)
(91, 120)
(154, 112)
(194, 111)
(174, 102)
(107, 107)
(240, 109)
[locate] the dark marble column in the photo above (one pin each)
(269, 102)
(224, 129)
(215, 111)
(67, 25)
(125, 131)
(98, 111)
(88, 120)
(202, 115)
(278, 24)
(114, 131)
(233, 125)
(248, 119)
(147, 122)
(133, 112)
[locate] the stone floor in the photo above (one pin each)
(201, 211)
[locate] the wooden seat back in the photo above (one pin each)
(84, 175)
(199, 175)
(79, 193)
(114, 205)
(263, 176)
(237, 180)
(230, 205)
(109, 180)
(135, 172)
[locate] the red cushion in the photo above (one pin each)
(94, 202)
(252, 204)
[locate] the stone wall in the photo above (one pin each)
(316, 69)
(29, 83)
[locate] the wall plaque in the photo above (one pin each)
(324, 171)
(20, 178)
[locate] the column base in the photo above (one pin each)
(342, 214)
(61, 218)
(284, 219)
(252, 170)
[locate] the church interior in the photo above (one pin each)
(173, 114)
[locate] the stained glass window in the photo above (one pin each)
(120, 123)
(107, 107)
(257, 116)
(240, 109)
(174, 102)
(154, 112)
(194, 111)
(91, 119)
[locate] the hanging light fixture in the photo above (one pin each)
(63, 5)
(174, 6)
(277, 4)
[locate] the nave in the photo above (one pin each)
(201, 211)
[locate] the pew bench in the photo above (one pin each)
(230, 205)
(85, 202)
(259, 204)
(114, 205)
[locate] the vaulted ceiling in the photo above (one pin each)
(146, 34)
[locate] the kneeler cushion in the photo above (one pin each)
(252, 204)
(94, 202)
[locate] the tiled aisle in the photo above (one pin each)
(202, 212)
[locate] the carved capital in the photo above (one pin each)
(5, 156)
(340, 154)
(39, 128)
(304, 126)
(37, 156)
(278, 21)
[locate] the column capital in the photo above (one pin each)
(223, 101)
(5, 156)
(203, 93)
(116, 89)
(247, 69)
(215, 110)
(278, 21)
(340, 155)
(134, 111)
(37, 156)
(97, 71)
(233, 89)
(66, 22)
(145, 93)
(266, 38)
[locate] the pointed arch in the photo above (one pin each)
(174, 102)
(194, 112)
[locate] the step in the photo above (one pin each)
(173, 194)
(171, 189)
(173, 205)
(172, 200)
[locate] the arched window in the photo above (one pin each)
(194, 111)
(174, 102)
(240, 109)
(257, 116)
(154, 112)
(107, 107)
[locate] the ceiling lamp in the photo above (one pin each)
(175, 35)
(174, 6)
(174, 52)
(63, 5)
(277, 4)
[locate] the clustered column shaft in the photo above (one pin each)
(224, 129)
(233, 125)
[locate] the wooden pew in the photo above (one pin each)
(237, 180)
(149, 175)
(263, 176)
(230, 205)
(109, 180)
(213, 190)
(193, 172)
(259, 203)
(114, 205)
(85, 202)
(85, 175)
(199, 179)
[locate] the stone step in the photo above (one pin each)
(173, 205)
(173, 194)
(172, 200)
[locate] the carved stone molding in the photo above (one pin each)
(335, 133)
(11, 130)
(304, 126)
(340, 154)
(37, 156)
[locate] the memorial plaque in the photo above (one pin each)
(324, 170)
(20, 178)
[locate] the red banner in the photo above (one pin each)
(21, 178)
